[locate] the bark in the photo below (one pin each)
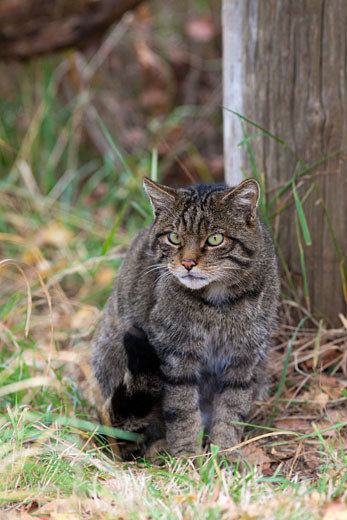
(32, 27)
(292, 78)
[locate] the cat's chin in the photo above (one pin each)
(193, 282)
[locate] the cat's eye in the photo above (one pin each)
(174, 239)
(215, 240)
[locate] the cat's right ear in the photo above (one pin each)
(161, 197)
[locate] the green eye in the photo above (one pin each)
(174, 239)
(215, 240)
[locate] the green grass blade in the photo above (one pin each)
(301, 215)
(254, 167)
(307, 435)
(109, 239)
(305, 171)
(290, 204)
(116, 150)
(89, 426)
(302, 263)
(324, 442)
(266, 132)
(250, 137)
(317, 345)
(144, 211)
(286, 269)
(328, 220)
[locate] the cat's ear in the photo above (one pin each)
(161, 197)
(244, 198)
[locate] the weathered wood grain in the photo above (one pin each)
(294, 85)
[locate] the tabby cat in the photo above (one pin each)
(182, 345)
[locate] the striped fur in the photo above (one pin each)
(179, 350)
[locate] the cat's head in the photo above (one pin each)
(205, 233)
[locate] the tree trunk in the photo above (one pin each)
(32, 27)
(285, 69)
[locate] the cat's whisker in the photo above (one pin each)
(156, 268)
(233, 267)
(229, 270)
(163, 275)
(152, 269)
(219, 267)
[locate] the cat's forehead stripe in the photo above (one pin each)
(195, 212)
(192, 215)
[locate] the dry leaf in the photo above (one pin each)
(315, 399)
(331, 385)
(337, 415)
(292, 424)
(28, 508)
(281, 454)
(329, 382)
(256, 455)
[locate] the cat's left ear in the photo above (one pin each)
(161, 197)
(244, 198)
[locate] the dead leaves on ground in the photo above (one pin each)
(74, 508)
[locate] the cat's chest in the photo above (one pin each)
(217, 351)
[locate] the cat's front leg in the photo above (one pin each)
(181, 410)
(232, 404)
(182, 419)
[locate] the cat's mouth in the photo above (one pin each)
(191, 276)
(193, 281)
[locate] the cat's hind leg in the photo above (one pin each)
(127, 369)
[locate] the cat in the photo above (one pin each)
(182, 345)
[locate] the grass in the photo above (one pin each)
(66, 218)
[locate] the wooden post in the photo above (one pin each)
(233, 76)
(287, 72)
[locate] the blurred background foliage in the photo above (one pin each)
(79, 130)
(155, 82)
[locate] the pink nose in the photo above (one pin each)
(188, 264)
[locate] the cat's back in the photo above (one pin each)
(132, 292)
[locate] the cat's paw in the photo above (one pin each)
(186, 453)
(157, 451)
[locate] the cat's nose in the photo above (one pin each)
(188, 264)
